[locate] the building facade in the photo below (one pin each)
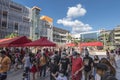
(46, 29)
(14, 18)
(87, 36)
(25, 21)
(35, 18)
(116, 32)
(104, 35)
(60, 35)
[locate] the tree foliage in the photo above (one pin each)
(12, 35)
(69, 38)
(76, 41)
(89, 40)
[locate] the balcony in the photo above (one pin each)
(117, 37)
(117, 32)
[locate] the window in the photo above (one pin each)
(16, 26)
(4, 24)
(16, 8)
(0, 21)
(37, 12)
(5, 14)
(25, 19)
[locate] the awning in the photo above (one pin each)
(70, 44)
(1, 40)
(41, 42)
(91, 44)
(15, 42)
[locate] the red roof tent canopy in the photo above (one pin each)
(1, 40)
(91, 44)
(41, 42)
(15, 42)
(70, 44)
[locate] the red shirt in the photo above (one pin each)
(47, 54)
(76, 64)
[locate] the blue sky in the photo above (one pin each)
(79, 15)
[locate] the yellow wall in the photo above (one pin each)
(46, 18)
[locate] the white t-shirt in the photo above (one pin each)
(97, 77)
(112, 55)
(27, 62)
(61, 78)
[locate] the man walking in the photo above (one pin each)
(4, 65)
(64, 64)
(77, 67)
(88, 65)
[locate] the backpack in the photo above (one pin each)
(43, 61)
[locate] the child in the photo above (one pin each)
(33, 70)
(16, 64)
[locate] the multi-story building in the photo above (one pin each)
(14, 18)
(60, 35)
(116, 32)
(104, 35)
(46, 29)
(89, 36)
(35, 25)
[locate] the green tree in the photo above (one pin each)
(12, 35)
(106, 38)
(76, 42)
(90, 40)
(69, 38)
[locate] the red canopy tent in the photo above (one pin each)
(70, 44)
(15, 42)
(41, 42)
(1, 40)
(91, 44)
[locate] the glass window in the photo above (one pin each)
(16, 8)
(4, 24)
(4, 13)
(16, 26)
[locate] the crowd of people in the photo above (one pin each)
(60, 64)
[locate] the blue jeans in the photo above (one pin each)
(3, 76)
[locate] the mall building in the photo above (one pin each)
(60, 35)
(116, 35)
(91, 35)
(22, 20)
(14, 18)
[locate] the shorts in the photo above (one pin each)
(3, 76)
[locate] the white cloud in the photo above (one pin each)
(76, 11)
(76, 25)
